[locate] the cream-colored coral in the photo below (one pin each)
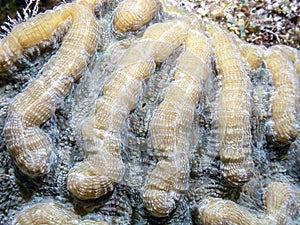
(252, 54)
(33, 32)
(292, 54)
(27, 143)
(215, 211)
(286, 96)
(103, 167)
(170, 129)
(51, 213)
(172, 123)
(40, 30)
(281, 204)
(171, 9)
(282, 201)
(131, 15)
(234, 109)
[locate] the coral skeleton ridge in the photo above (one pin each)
(51, 213)
(280, 205)
(27, 143)
(233, 119)
(172, 123)
(103, 167)
(252, 54)
(191, 60)
(291, 53)
(286, 98)
(44, 28)
(131, 15)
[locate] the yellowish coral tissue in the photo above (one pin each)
(27, 143)
(103, 167)
(234, 109)
(131, 15)
(281, 203)
(172, 123)
(206, 50)
(286, 97)
(51, 213)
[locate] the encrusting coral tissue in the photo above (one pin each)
(175, 90)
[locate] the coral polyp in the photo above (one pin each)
(51, 213)
(286, 98)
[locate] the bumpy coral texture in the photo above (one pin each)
(286, 98)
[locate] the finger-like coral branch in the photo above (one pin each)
(26, 142)
(281, 203)
(103, 167)
(172, 124)
(234, 109)
(215, 211)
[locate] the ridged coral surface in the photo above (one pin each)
(172, 123)
(177, 122)
(234, 108)
(103, 168)
(286, 98)
(26, 35)
(280, 205)
(51, 213)
(131, 15)
(27, 144)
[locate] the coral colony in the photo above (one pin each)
(204, 65)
